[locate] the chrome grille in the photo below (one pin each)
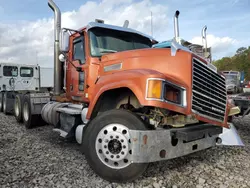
(209, 92)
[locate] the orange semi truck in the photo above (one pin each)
(126, 103)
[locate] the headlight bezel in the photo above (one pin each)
(165, 83)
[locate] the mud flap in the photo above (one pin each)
(230, 137)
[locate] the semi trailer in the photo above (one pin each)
(128, 104)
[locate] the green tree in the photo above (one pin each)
(239, 62)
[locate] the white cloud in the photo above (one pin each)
(27, 41)
(220, 45)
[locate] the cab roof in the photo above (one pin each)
(118, 28)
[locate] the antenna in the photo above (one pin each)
(126, 23)
(151, 23)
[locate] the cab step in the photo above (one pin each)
(72, 109)
(62, 133)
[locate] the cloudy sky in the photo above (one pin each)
(26, 27)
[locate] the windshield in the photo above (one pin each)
(230, 76)
(10, 71)
(103, 41)
(26, 72)
(230, 81)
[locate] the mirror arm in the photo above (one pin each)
(73, 30)
(78, 69)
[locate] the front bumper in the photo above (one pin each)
(157, 145)
(230, 137)
(151, 146)
(246, 89)
(230, 89)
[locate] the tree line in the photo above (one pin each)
(239, 62)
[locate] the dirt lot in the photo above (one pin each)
(40, 158)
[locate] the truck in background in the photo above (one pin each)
(17, 81)
(129, 104)
(234, 81)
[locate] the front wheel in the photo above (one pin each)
(106, 144)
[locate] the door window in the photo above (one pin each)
(78, 51)
(10, 71)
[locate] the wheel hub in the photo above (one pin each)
(113, 146)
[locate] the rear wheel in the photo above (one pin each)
(28, 119)
(1, 101)
(106, 144)
(5, 103)
(18, 108)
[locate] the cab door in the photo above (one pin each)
(29, 78)
(77, 70)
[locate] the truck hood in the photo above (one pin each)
(176, 68)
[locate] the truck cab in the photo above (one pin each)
(104, 58)
(18, 77)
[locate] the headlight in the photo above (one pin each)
(159, 89)
(174, 94)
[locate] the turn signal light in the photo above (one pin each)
(154, 89)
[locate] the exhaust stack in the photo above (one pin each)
(204, 38)
(57, 63)
(176, 26)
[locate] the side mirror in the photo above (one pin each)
(62, 58)
(64, 40)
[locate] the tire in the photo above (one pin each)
(235, 90)
(91, 145)
(29, 120)
(1, 101)
(18, 108)
(5, 103)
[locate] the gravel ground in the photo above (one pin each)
(40, 158)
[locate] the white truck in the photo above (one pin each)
(19, 80)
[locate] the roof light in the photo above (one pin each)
(99, 21)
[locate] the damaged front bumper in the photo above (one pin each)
(163, 144)
(230, 137)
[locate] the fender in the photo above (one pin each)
(135, 80)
